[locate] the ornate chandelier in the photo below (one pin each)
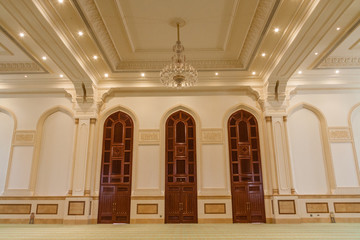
(178, 73)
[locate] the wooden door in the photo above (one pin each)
(180, 189)
(115, 180)
(245, 167)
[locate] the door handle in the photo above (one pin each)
(181, 206)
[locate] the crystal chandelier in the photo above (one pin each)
(178, 73)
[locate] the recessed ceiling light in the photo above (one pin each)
(25, 76)
(253, 73)
(300, 72)
(60, 1)
(263, 54)
(80, 33)
(44, 58)
(61, 75)
(95, 57)
(337, 71)
(337, 28)
(316, 53)
(276, 30)
(22, 34)
(143, 74)
(216, 73)
(106, 75)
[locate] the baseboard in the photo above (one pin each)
(215, 220)
(146, 221)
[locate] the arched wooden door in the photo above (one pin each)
(115, 181)
(245, 167)
(180, 189)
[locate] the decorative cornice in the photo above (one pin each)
(257, 29)
(20, 67)
(340, 62)
(93, 20)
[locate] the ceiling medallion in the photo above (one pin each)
(178, 73)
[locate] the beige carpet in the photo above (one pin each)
(182, 231)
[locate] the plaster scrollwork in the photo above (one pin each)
(95, 21)
(340, 62)
(18, 67)
(24, 138)
(339, 134)
(100, 96)
(212, 136)
(259, 22)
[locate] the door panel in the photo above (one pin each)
(180, 191)
(115, 180)
(245, 168)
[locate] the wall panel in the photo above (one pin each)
(6, 130)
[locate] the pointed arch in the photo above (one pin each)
(329, 169)
(6, 159)
(38, 141)
(355, 126)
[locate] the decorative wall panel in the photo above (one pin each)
(24, 138)
(212, 136)
(349, 207)
(149, 136)
(214, 208)
(286, 207)
(15, 208)
(47, 209)
(317, 208)
(147, 209)
(76, 208)
(339, 134)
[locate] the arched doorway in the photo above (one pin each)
(245, 166)
(180, 189)
(115, 181)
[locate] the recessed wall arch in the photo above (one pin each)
(100, 132)
(259, 118)
(163, 120)
(6, 161)
(38, 141)
(355, 110)
(329, 169)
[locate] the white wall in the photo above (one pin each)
(56, 155)
(306, 151)
(355, 123)
(6, 131)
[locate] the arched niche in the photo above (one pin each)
(310, 151)
(7, 127)
(54, 152)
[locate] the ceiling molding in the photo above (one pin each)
(20, 67)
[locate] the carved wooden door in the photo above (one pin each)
(245, 167)
(115, 181)
(180, 190)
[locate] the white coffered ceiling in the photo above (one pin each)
(134, 36)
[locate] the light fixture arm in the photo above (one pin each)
(178, 31)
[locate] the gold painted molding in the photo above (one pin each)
(286, 206)
(213, 197)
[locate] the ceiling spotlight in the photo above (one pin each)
(143, 74)
(61, 75)
(106, 75)
(316, 53)
(25, 76)
(300, 72)
(337, 71)
(253, 73)
(44, 58)
(95, 57)
(80, 33)
(216, 73)
(60, 1)
(337, 29)
(22, 34)
(263, 54)
(276, 30)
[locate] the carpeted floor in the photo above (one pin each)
(182, 231)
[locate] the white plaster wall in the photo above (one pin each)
(335, 106)
(28, 108)
(213, 167)
(20, 167)
(150, 110)
(344, 165)
(55, 155)
(355, 123)
(147, 170)
(306, 153)
(6, 131)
